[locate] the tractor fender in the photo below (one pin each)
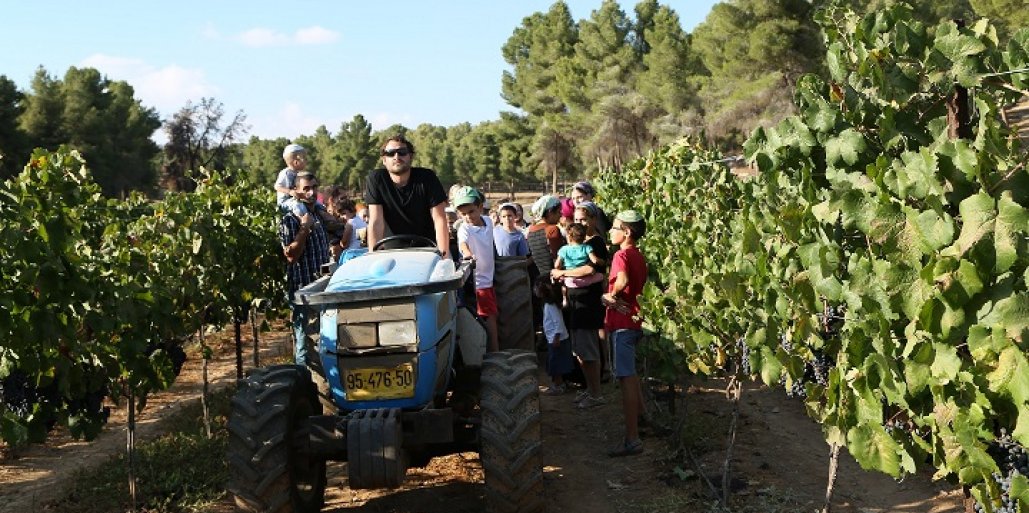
(471, 338)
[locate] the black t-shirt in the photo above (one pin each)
(407, 209)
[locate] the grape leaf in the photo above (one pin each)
(874, 449)
(845, 148)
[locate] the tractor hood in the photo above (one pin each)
(384, 269)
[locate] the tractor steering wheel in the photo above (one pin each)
(413, 241)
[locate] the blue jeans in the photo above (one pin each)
(624, 342)
(300, 335)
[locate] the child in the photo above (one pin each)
(358, 223)
(343, 209)
(296, 161)
(625, 283)
(575, 254)
(475, 240)
(567, 214)
(559, 345)
(510, 241)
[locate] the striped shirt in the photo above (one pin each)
(307, 267)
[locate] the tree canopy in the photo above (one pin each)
(99, 117)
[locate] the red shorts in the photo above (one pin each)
(486, 302)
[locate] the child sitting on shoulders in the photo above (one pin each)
(559, 343)
(296, 161)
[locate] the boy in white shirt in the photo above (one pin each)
(475, 240)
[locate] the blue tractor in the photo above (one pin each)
(398, 374)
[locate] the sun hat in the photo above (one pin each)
(467, 196)
(544, 204)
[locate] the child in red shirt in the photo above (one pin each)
(625, 283)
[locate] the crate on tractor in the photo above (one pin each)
(398, 374)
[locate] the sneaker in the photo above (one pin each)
(555, 390)
(589, 401)
(581, 395)
(627, 448)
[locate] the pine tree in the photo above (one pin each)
(14, 151)
(534, 51)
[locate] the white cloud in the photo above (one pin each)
(315, 36)
(384, 120)
(290, 121)
(166, 88)
(260, 37)
(211, 32)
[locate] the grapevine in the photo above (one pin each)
(877, 262)
(99, 295)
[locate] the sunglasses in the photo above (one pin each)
(402, 152)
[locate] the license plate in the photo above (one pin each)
(379, 383)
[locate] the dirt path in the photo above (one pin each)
(42, 472)
(781, 461)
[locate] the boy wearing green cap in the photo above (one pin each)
(475, 240)
(625, 283)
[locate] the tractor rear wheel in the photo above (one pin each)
(511, 433)
(267, 472)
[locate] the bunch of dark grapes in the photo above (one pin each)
(174, 352)
(91, 405)
(20, 396)
(741, 346)
(1012, 459)
(820, 367)
(17, 394)
(796, 389)
(785, 344)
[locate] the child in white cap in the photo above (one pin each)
(296, 161)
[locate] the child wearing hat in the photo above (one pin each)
(296, 161)
(625, 284)
(475, 240)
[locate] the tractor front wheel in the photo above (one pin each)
(268, 473)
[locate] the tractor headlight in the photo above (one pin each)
(398, 333)
(357, 336)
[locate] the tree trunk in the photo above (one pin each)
(834, 461)
(257, 341)
(130, 450)
(204, 394)
(237, 326)
(734, 391)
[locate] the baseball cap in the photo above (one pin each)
(291, 149)
(544, 204)
(466, 196)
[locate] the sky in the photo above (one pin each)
(290, 66)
